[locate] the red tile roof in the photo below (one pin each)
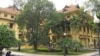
(70, 8)
(9, 10)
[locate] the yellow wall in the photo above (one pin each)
(85, 38)
(6, 20)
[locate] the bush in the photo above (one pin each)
(47, 50)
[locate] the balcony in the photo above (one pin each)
(94, 35)
(81, 33)
(83, 37)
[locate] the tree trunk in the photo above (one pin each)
(76, 49)
(35, 46)
(35, 37)
(1, 48)
(19, 47)
(65, 51)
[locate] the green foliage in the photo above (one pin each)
(57, 29)
(64, 41)
(44, 37)
(19, 44)
(75, 21)
(71, 44)
(19, 3)
(79, 19)
(46, 50)
(93, 6)
(98, 14)
(94, 26)
(56, 52)
(36, 12)
(83, 19)
(7, 37)
(54, 23)
(76, 45)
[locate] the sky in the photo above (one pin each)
(59, 4)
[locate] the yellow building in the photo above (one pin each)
(84, 34)
(7, 17)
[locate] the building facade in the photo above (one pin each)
(83, 33)
(7, 17)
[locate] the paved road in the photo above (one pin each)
(91, 54)
(27, 54)
(96, 54)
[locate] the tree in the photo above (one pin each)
(76, 45)
(54, 23)
(19, 44)
(35, 13)
(93, 6)
(68, 43)
(83, 19)
(19, 3)
(75, 21)
(65, 44)
(7, 37)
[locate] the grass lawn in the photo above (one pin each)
(57, 52)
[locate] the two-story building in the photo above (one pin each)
(82, 33)
(7, 17)
(85, 34)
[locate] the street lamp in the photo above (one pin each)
(97, 21)
(64, 34)
(64, 45)
(64, 37)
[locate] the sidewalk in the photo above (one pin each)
(90, 54)
(27, 54)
